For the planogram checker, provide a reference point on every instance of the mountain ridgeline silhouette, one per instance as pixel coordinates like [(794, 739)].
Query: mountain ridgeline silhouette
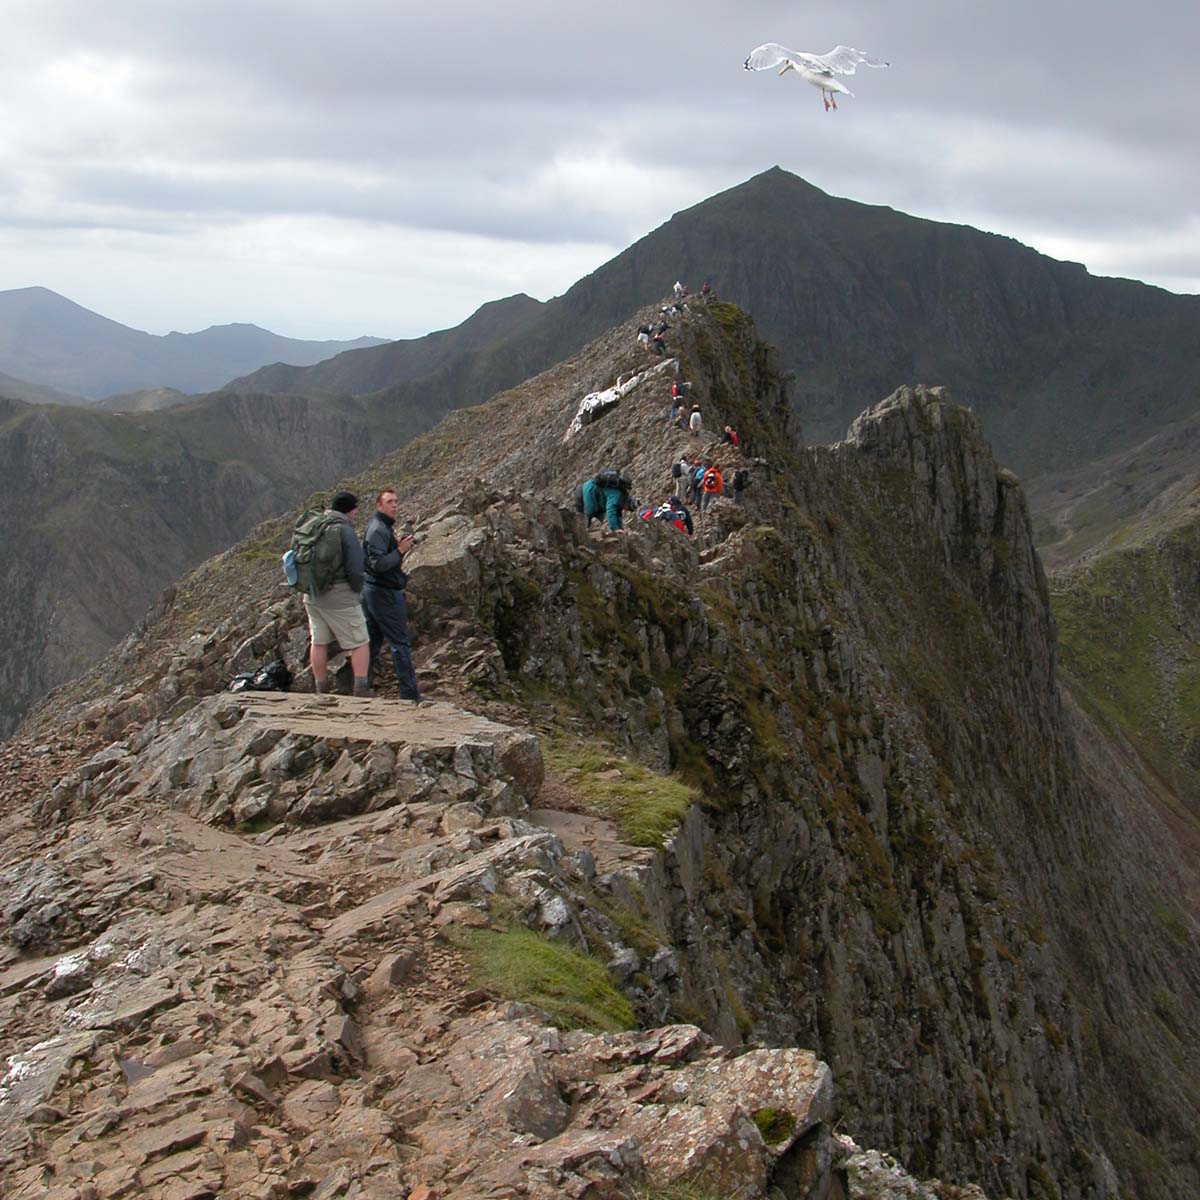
[(48, 340), (1062, 366)]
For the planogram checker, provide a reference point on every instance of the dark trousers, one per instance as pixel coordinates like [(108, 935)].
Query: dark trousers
[(387, 622)]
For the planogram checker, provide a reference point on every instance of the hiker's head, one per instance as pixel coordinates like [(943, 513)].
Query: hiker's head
[(386, 501), (344, 502)]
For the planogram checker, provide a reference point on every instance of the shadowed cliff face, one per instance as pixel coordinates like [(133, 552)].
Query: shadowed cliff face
[(904, 853)]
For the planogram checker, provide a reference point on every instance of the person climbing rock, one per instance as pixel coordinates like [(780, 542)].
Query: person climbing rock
[(605, 497), (730, 436), (696, 421), (383, 592)]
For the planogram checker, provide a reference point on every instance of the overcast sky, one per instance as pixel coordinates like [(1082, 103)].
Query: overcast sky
[(370, 167)]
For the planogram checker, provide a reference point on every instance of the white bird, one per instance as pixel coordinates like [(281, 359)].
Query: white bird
[(818, 69)]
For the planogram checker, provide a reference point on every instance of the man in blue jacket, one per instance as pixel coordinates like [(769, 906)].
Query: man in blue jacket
[(383, 591)]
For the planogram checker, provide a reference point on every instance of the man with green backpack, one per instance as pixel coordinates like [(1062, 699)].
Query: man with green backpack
[(325, 562)]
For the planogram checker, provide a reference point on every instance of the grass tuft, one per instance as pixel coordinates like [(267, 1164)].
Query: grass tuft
[(574, 989), (645, 806)]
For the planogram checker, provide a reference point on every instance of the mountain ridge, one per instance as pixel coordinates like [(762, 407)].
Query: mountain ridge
[(1062, 366)]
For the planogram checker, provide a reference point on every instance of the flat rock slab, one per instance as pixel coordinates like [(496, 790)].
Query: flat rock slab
[(372, 720)]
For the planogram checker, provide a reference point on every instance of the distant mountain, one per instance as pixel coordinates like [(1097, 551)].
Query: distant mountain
[(34, 393), (49, 340), (1061, 365), (358, 371)]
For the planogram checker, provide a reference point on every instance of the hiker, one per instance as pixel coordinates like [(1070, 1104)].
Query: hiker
[(696, 479), (335, 613), (659, 342), (383, 592), (696, 421), (680, 472), (730, 437), (741, 481), (676, 406), (674, 512), (679, 290), (605, 496), (704, 292), (711, 487), (643, 335)]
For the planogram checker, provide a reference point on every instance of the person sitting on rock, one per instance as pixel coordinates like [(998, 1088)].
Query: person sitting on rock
[(730, 436)]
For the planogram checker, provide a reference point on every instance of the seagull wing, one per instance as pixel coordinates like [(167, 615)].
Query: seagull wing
[(763, 58), (843, 60)]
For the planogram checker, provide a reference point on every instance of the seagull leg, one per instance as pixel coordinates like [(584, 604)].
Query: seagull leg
[(833, 101), (825, 97)]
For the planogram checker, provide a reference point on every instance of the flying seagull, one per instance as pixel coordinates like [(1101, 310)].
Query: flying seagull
[(818, 69)]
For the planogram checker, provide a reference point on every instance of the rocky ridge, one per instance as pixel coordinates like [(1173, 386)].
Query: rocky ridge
[(896, 856)]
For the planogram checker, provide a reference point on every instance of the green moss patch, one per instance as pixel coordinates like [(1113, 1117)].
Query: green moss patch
[(646, 807), (775, 1124), (577, 991)]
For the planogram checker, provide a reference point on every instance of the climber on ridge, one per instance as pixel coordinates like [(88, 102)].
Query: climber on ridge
[(606, 496)]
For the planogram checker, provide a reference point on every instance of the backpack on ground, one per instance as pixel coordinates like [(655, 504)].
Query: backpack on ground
[(316, 552), (274, 677)]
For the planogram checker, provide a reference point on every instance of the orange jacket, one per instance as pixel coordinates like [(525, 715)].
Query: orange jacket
[(712, 481)]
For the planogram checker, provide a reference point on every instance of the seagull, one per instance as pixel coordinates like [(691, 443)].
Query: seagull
[(817, 69)]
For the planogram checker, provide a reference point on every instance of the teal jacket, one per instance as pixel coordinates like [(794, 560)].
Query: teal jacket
[(602, 502)]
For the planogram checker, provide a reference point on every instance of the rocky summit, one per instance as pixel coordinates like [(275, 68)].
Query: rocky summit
[(769, 862)]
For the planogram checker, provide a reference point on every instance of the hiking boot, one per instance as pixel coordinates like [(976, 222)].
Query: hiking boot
[(321, 686), (363, 690)]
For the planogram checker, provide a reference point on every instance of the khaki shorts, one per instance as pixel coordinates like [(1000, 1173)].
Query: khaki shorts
[(337, 616)]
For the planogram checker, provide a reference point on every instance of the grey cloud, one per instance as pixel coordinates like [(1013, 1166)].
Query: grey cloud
[(1055, 119)]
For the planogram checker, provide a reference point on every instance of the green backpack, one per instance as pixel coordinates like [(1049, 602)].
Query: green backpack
[(316, 553)]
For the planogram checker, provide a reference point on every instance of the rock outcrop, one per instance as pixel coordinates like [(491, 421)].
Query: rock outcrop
[(900, 890)]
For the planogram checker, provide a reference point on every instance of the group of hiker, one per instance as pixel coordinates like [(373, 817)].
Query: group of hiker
[(698, 482), (354, 590)]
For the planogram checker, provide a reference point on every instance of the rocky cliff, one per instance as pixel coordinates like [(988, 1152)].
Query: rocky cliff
[(804, 782)]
